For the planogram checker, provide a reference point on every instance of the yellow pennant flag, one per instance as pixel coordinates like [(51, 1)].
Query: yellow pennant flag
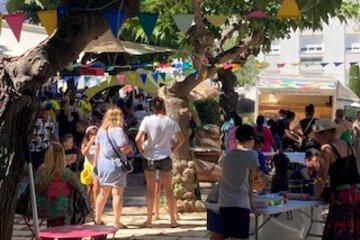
[(216, 20), (289, 10), (49, 20)]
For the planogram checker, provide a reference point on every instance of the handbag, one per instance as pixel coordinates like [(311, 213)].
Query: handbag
[(126, 166)]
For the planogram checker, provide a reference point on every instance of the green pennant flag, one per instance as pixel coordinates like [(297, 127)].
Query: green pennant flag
[(183, 21), (163, 76), (148, 21)]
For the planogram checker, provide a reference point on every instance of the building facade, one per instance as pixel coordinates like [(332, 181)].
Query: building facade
[(328, 52)]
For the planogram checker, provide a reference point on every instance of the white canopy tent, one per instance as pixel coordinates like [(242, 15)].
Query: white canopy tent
[(108, 43)]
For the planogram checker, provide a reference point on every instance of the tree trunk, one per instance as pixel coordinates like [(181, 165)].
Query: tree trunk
[(229, 98), (20, 78)]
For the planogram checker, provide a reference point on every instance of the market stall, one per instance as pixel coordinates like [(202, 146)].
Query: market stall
[(295, 92)]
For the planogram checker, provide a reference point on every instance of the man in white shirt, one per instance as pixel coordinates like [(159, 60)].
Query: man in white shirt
[(153, 140)]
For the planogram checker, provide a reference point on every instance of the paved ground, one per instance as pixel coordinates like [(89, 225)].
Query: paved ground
[(192, 226)]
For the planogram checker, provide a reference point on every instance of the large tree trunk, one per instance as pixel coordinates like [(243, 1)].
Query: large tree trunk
[(20, 78)]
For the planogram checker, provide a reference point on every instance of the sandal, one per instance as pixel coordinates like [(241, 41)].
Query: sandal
[(102, 223), (146, 225), (121, 226)]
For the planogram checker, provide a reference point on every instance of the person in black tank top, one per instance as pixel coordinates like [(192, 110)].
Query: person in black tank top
[(339, 163)]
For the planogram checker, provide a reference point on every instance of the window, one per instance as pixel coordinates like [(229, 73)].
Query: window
[(310, 60), (355, 47), (312, 48), (275, 49)]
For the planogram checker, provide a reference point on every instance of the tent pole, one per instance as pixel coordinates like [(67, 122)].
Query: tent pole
[(33, 196)]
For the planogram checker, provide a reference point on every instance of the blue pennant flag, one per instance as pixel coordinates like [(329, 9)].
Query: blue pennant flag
[(324, 64), (337, 63), (353, 63), (143, 77), (61, 12), (155, 76), (115, 20), (148, 21)]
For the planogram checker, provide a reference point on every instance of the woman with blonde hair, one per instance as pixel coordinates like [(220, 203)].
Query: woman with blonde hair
[(112, 149), (54, 185)]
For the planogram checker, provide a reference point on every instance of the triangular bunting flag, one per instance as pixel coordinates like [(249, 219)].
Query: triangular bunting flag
[(143, 77), (183, 21), (148, 21), (15, 22), (114, 20), (281, 65), (49, 20), (155, 76), (324, 64), (216, 20), (289, 10), (163, 76), (257, 14), (353, 63), (337, 63), (61, 12), (121, 79)]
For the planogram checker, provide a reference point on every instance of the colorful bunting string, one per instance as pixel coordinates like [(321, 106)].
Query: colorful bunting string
[(155, 76), (324, 64), (143, 77), (15, 22), (148, 21), (49, 20), (280, 65), (338, 63), (257, 14)]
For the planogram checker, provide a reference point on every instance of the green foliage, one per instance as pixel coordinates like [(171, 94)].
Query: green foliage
[(354, 82), (14, 5), (208, 111), (247, 73)]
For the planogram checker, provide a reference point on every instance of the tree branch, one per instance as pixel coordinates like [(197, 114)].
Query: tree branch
[(227, 34), (235, 52)]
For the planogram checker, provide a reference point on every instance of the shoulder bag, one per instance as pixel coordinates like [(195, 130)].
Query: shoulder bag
[(126, 166)]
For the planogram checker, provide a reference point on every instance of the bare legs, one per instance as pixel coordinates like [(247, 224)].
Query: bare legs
[(157, 199), (117, 202), (100, 203), (166, 183), (117, 194), (150, 196)]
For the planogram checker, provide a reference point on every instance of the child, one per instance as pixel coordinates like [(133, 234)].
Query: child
[(54, 184), (239, 167), (88, 150), (308, 172), (280, 181), (259, 140), (71, 153)]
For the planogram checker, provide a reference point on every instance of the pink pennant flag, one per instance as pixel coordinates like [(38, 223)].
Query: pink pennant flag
[(257, 14), (15, 22), (121, 79), (281, 65)]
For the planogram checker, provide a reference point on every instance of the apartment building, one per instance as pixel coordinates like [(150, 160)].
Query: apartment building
[(328, 52)]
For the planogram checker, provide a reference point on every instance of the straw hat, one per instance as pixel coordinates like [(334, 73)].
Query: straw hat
[(323, 125)]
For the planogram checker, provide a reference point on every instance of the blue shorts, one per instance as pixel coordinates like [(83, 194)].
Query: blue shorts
[(215, 222), (236, 222)]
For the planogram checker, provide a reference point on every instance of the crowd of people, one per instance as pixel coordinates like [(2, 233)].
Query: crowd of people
[(331, 167), (82, 153)]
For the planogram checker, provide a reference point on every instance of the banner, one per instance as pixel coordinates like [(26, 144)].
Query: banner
[(324, 64), (15, 22), (183, 21), (155, 76), (216, 20), (49, 20), (280, 65), (115, 20), (148, 21), (338, 63), (121, 79)]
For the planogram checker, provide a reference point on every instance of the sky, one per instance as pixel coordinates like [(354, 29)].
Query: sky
[(2, 6)]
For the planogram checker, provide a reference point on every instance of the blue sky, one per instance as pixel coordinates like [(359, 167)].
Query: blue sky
[(2, 6)]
